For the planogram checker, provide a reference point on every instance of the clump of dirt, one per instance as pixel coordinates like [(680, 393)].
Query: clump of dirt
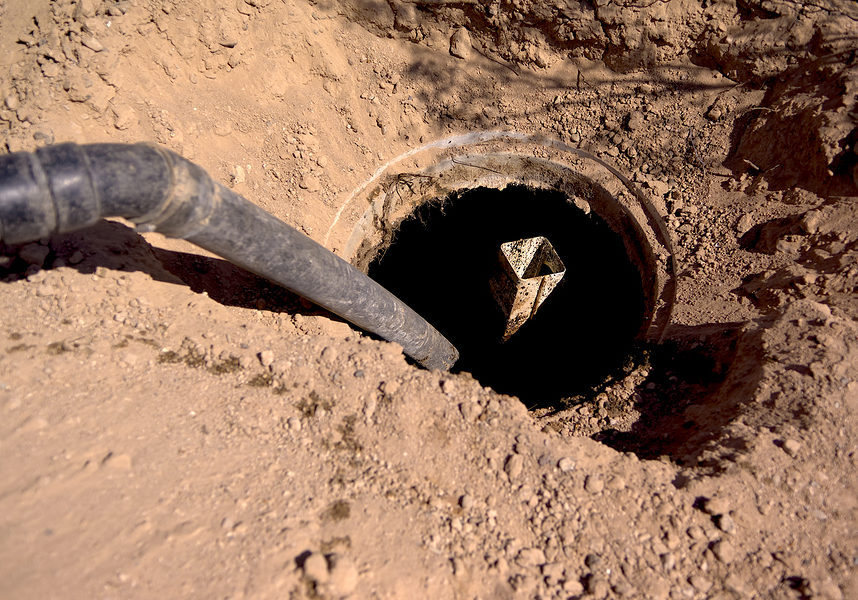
[(172, 425)]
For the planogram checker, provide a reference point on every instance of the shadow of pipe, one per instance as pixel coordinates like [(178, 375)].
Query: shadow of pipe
[(114, 246)]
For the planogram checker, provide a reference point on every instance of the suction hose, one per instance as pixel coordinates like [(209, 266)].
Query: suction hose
[(66, 187)]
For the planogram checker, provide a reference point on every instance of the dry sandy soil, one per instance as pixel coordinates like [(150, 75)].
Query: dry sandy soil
[(173, 426)]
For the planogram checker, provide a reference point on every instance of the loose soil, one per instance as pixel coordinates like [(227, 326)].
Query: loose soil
[(173, 426)]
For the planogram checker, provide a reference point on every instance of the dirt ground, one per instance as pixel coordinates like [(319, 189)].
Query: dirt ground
[(173, 426)]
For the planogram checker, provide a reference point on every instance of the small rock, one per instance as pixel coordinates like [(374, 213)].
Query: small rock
[(388, 388), (616, 483), (658, 589), (369, 407), (725, 523), (316, 568), (715, 506), (92, 43), (573, 587), (329, 354), (821, 311), (826, 589), (460, 43), (223, 128), (700, 583), (788, 246), (34, 254), (592, 561), (566, 464), (791, 447), (12, 102), (724, 551), (634, 120), (597, 586), (448, 386), (810, 222), (623, 589), (266, 357), (470, 410), (554, 570), (44, 137), (530, 557), (612, 124), (343, 575), (594, 484), (513, 466), (124, 117), (734, 583), (407, 17), (310, 183), (120, 462), (85, 9), (745, 223), (27, 114)]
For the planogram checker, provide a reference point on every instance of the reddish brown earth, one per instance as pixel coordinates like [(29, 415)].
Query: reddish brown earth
[(175, 427)]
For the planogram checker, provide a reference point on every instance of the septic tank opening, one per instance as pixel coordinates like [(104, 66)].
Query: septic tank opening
[(443, 258)]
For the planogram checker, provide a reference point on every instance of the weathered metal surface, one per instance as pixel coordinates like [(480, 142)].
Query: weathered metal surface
[(529, 270)]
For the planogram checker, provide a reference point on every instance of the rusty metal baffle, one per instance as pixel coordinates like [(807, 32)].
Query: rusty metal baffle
[(529, 271)]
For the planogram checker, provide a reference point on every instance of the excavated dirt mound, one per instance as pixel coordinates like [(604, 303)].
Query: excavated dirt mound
[(173, 426)]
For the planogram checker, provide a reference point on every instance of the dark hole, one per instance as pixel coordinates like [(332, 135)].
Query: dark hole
[(440, 263), (544, 269)]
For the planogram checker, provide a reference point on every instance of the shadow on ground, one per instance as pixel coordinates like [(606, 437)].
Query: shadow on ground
[(116, 247), (689, 399)]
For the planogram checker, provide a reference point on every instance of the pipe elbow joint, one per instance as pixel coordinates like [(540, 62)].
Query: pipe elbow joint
[(189, 202)]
